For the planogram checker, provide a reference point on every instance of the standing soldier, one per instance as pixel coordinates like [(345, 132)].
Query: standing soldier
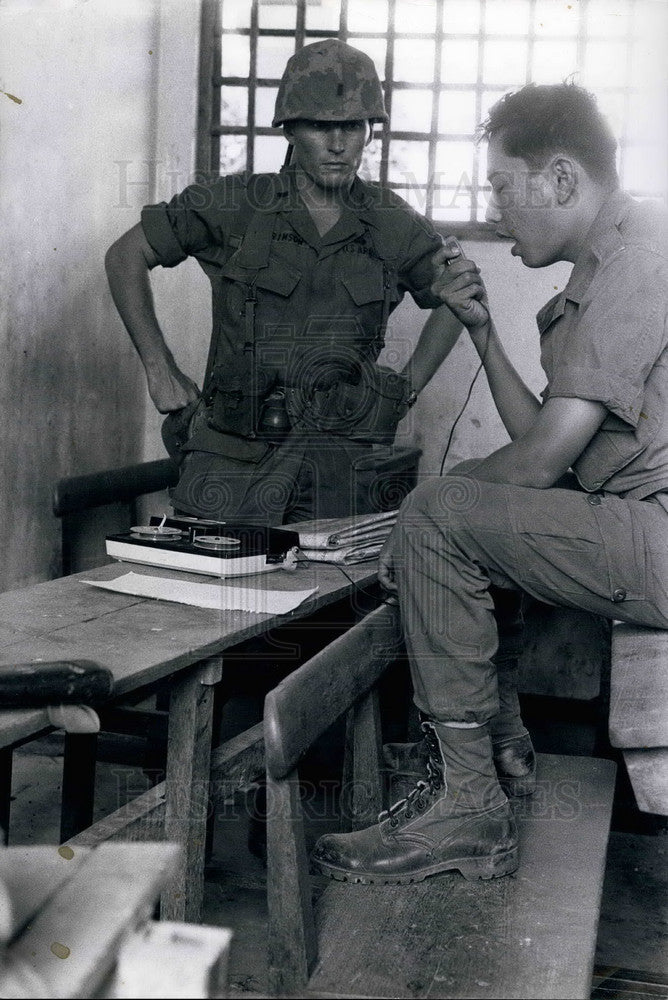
[(306, 266)]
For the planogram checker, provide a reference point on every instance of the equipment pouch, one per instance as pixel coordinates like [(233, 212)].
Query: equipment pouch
[(238, 389), (177, 428), (368, 410), (381, 399)]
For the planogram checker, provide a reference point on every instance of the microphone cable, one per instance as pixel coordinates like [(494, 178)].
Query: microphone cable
[(465, 403)]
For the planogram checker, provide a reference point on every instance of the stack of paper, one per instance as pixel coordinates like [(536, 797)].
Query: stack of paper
[(347, 540)]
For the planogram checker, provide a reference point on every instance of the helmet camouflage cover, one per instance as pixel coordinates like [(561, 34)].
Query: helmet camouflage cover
[(329, 81)]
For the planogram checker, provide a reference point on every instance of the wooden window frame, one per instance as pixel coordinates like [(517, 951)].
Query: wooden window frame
[(210, 131)]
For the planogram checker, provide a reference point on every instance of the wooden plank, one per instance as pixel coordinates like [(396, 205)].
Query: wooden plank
[(17, 724), (237, 763), (234, 764), (529, 935), (71, 944), (308, 701), (648, 773), (47, 607), (33, 874), (141, 819), (78, 791), (362, 789), (79, 493), (639, 687), (187, 788), (167, 959), (132, 721), (292, 944)]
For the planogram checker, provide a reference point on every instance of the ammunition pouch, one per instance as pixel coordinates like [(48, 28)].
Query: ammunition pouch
[(366, 410), (363, 405), (237, 391)]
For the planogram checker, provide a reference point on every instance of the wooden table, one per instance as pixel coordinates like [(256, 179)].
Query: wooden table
[(144, 642)]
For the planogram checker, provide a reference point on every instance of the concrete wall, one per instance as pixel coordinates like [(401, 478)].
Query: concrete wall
[(83, 81)]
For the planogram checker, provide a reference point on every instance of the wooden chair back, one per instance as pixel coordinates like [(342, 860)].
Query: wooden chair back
[(298, 711), (101, 503)]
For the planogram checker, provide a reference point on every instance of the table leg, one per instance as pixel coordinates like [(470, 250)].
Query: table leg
[(5, 792), (187, 785), (78, 794)]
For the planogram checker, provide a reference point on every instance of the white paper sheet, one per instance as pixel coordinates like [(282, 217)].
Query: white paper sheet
[(207, 595)]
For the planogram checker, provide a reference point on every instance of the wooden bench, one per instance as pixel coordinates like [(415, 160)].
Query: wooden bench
[(638, 720), (532, 934), (78, 927), (99, 503), (235, 765)]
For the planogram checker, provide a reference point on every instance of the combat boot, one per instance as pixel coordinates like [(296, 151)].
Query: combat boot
[(513, 752), (514, 755), (405, 765), (458, 818)]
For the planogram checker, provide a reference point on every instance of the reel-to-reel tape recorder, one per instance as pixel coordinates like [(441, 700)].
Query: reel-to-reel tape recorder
[(215, 548)]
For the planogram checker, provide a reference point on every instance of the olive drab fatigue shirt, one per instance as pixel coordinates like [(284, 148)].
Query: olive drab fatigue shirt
[(605, 338), (319, 300)]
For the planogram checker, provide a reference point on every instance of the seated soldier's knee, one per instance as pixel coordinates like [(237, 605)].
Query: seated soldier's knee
[(442, 498)]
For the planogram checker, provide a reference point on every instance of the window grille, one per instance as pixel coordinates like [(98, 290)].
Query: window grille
[(443, 64)]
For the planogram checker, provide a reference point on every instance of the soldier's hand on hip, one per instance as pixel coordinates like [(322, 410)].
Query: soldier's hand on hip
[(171, 390)]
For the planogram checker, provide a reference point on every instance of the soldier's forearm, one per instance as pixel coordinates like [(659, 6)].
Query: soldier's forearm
[(439, 335), (130, 286)]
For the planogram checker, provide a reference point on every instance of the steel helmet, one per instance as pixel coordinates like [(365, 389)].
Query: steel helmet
[(329, 81)]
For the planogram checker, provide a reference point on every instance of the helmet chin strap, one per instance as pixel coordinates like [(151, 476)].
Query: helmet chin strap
[(288, 156)]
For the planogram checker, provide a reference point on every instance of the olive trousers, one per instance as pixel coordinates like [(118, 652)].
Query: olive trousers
[(456, 537)]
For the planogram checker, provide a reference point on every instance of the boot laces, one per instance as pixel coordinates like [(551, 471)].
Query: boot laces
[(418, 797)]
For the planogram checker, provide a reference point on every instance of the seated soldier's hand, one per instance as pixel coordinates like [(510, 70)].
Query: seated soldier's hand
[(457, 282), (386, 570)]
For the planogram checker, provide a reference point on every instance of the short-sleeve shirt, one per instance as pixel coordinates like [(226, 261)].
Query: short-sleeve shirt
[(315, 295), (605, 338)]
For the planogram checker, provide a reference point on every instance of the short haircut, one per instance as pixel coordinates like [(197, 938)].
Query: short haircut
[(540, 120)]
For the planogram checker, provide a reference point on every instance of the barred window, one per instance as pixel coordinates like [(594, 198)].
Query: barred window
[(443, 64)]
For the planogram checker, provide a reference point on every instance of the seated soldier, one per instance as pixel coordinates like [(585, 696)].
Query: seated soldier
[(505, 520)]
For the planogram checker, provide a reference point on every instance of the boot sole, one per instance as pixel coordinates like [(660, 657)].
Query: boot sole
[(471, 868)]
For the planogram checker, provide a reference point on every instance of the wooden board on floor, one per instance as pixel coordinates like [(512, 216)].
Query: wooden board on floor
[(532, 934)]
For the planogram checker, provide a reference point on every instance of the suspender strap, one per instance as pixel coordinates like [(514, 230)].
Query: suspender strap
[(256, 229), (387, 236), (385, 308), (249, 345)]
